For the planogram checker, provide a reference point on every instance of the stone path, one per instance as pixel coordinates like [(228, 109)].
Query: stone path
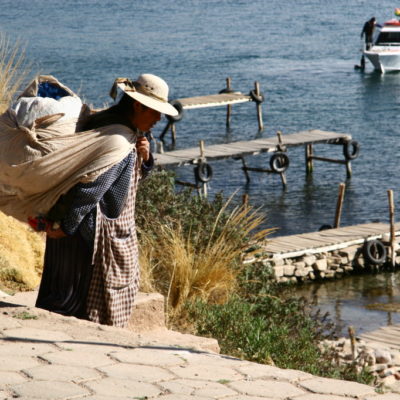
[(47, 356)]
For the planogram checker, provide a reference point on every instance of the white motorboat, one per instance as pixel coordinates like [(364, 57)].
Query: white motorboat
[(384, 53)]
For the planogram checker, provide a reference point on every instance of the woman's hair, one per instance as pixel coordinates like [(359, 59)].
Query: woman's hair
[(117, 114)]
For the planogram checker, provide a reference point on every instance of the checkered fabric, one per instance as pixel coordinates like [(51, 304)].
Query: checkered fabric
[(115, 279)]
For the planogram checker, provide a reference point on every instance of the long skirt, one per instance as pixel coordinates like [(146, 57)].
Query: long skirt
[(66, 276)]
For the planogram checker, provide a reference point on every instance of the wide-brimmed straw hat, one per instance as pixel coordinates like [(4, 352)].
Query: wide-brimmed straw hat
[(148, 89)]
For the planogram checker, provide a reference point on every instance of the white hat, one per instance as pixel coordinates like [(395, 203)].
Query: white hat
[(148, 89)]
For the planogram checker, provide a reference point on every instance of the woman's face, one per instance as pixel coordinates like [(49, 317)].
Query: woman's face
[(144, 118)]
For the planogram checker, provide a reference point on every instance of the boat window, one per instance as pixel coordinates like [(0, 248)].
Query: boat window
[(388, 38)]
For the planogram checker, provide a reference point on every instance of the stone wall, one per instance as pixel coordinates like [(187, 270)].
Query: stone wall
[(325, 265)]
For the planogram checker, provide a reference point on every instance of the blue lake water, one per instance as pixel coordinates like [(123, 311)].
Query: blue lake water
[(301, 52)]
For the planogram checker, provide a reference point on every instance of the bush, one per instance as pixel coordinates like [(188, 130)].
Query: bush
[(259, 325), (190, 247)]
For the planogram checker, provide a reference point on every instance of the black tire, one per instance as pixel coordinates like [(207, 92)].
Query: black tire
[(325, 227), (258, 98), (374, 252), (203, 172), (279, 162), (351, 149), (178, 105), (226, 91)]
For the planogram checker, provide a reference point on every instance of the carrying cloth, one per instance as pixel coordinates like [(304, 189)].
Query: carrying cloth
[(41, 162)]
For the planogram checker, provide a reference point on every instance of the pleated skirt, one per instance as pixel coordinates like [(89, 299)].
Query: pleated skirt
[(66, 276)]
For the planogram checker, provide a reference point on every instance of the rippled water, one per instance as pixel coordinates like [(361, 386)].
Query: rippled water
[(303, 54)]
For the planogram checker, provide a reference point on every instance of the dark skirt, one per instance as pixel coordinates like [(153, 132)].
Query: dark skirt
[(66, 276)]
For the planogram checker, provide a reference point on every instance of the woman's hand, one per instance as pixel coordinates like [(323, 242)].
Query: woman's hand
[(143, 147)]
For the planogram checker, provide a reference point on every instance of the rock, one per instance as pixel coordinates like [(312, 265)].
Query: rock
[(277, 262), (309, 260), (300, 272), (334, 266), (396, 358), (383, 356), (320, 265), (288, 270), (379, 367), (278, 272)]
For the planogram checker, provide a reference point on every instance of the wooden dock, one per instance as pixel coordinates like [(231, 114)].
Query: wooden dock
[(326, 240), (226, 97), (386, 336), (214, 100), (250, 147), (279, 160)]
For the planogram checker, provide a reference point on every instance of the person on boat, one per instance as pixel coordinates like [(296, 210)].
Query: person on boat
[(368, 32), (91, 266)]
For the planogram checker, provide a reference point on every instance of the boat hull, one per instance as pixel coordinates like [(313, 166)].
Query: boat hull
[(384, 60)]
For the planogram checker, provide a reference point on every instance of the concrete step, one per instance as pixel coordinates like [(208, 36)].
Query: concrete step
[(148, 313), (147, 321)]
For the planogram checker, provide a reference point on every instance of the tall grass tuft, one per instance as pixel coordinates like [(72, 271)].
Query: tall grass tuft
[(21, 250), (183, 266), (13, 70)]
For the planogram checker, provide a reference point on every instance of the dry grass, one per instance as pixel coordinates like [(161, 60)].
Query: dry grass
[(21, 255), (175, 266), (13, 70), (21, 250)]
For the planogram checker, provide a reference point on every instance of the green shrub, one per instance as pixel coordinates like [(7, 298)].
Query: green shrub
[(158, 200), (260, 325)]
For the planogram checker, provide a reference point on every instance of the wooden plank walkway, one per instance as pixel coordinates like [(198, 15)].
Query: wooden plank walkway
[(251, 147), (326, 240), (214, 100), (387, 336)]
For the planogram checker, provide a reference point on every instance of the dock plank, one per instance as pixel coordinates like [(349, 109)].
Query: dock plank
[(243, 148), (312, 242)]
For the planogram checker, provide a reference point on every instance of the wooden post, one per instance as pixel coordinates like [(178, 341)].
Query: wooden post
[(245, 200), (159, 147), (279, 134), (202, 156), (339, 204), (229, 106), (352, 336), (392, 228), (173, 133), (244, 168), (201, 145), (259, 108), (309, 160)]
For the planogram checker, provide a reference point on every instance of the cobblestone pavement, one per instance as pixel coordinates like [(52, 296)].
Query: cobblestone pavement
[(47, 356)]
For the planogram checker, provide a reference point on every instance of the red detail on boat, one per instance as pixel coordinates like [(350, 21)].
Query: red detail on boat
[(392, 22)]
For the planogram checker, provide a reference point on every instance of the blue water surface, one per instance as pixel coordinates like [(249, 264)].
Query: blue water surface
[(301, 52)]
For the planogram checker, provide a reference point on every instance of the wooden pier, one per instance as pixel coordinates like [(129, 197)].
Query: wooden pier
[(278, 145), (226, 97), (387, 336), (326, 240)]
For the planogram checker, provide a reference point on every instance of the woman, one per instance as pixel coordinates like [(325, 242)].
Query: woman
[(91, 266)]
